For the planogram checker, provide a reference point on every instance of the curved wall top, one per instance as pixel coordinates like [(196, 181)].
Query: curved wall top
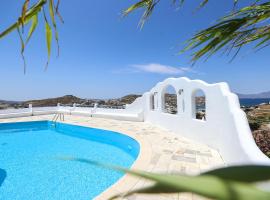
[(225, 128)]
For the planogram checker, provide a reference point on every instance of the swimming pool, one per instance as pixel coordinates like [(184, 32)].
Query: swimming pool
[(29, 170)]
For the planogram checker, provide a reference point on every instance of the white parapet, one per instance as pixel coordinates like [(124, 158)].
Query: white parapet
[(226, 127)]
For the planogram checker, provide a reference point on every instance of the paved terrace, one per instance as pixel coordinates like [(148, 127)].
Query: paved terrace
[(161, 151)]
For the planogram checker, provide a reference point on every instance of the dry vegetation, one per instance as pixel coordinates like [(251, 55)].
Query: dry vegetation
[(259, 121)]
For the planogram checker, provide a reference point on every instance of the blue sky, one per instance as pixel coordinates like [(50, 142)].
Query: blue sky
[(104, 55)]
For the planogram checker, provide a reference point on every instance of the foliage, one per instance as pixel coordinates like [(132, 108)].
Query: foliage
[(247, 25), (254, 124), (235, 182), (149, 6), (30, 15), (257, 117), (232, 32), (262, 139)]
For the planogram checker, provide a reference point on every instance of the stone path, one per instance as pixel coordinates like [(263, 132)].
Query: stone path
[(161, 151)]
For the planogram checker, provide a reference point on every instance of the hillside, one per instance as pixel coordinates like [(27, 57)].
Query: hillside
[(70, 99), (67, 100), (262, 95), (9, 104)]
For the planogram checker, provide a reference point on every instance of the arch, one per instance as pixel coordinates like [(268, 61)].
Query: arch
[(199, 105), (169, 100)]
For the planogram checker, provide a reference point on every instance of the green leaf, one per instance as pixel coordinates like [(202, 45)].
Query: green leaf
[(239, 28), (24, 10), (51, 8), (228, 33), (202, 4), (247, 173), (29, 14), (140, 4), (57, 11), (209, 186), (147, 4), (22, 49), (21, 40), (33, 27), (49, 41)]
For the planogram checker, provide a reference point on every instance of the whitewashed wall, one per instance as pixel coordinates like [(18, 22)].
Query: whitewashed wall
[(225, 129)]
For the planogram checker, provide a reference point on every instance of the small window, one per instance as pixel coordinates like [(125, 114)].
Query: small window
[(170, 100), (199, 105)]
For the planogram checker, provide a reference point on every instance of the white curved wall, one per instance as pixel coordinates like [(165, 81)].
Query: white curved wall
[(226, 128)]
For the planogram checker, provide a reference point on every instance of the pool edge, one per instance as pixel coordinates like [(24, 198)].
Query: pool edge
[(126, 182)]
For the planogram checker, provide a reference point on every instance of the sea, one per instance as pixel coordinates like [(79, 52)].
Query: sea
[(253, 102)]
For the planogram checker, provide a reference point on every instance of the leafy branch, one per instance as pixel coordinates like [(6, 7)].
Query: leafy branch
[(244, 26), (149, 6), (247, 25), (31, 15), (234, 182)]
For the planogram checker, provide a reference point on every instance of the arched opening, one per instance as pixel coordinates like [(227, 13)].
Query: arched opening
[(153, 101), (170, 100), (199, 105)]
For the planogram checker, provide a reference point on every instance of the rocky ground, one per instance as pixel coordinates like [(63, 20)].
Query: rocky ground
[(259, 121)]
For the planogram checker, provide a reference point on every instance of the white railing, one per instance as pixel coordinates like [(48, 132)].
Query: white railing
[(123, 114), (13, 110), (51, 108)]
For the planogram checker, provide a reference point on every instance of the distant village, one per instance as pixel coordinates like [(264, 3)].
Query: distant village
[(70, 100)]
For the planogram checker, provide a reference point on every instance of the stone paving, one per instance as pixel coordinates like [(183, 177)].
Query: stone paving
[(161, 151)]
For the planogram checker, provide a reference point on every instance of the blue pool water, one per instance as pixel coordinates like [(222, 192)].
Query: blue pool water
[(29, 169)]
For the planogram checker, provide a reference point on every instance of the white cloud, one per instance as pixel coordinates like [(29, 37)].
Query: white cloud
[(160, 69)]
